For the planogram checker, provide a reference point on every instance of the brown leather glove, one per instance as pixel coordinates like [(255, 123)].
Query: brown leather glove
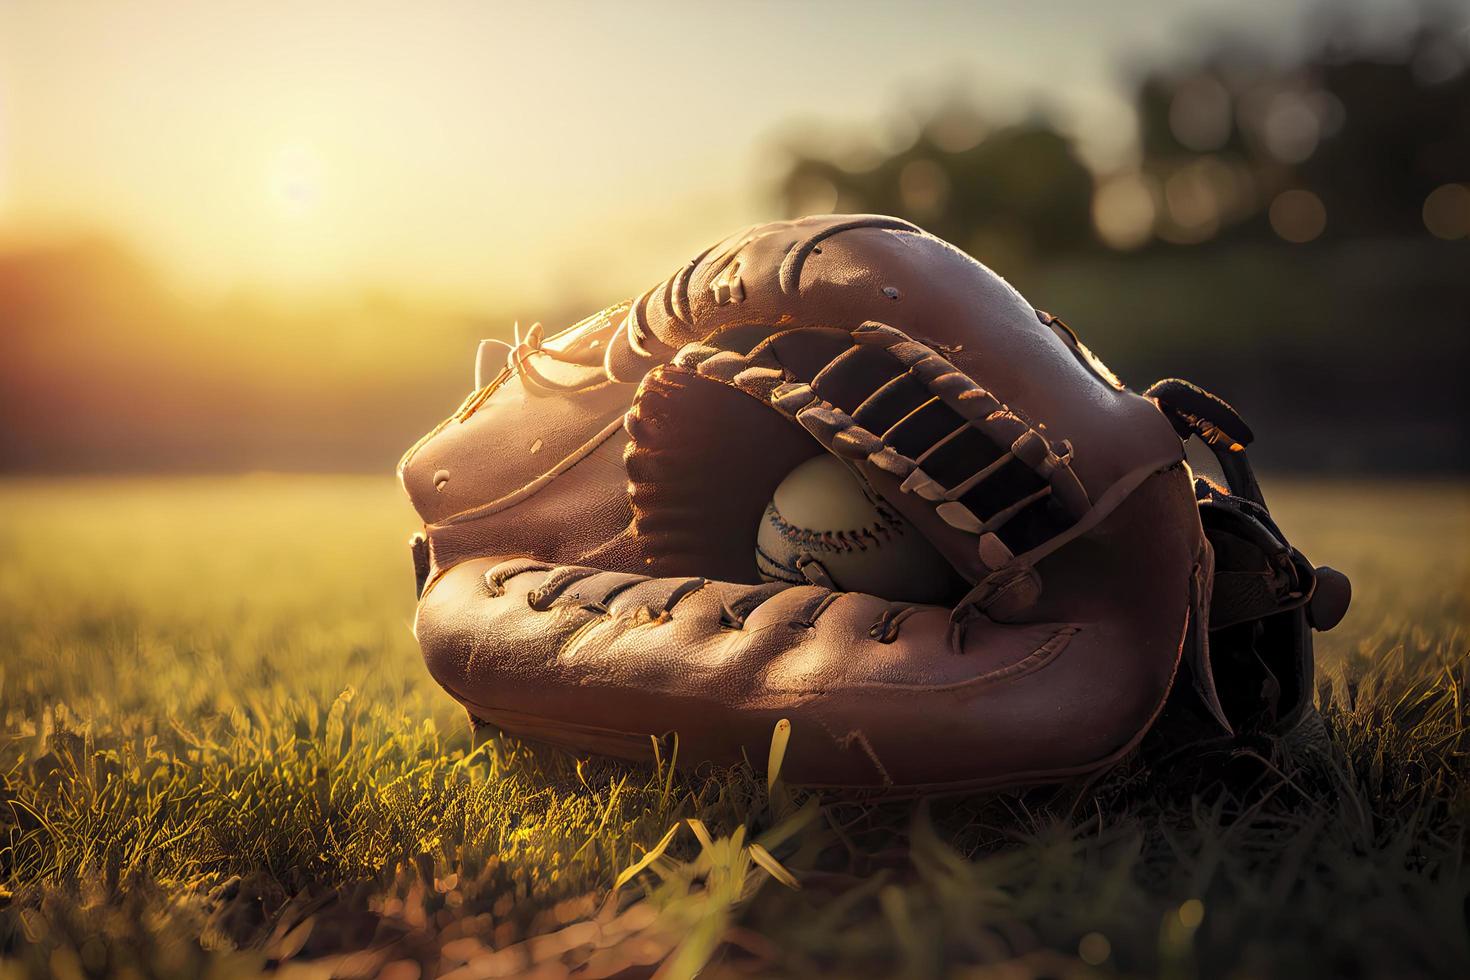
[(587, 572)]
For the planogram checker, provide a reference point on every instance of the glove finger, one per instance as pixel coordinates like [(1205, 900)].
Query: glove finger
[(601, 661)]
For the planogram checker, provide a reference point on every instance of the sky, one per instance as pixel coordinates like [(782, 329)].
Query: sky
[(459, 150)]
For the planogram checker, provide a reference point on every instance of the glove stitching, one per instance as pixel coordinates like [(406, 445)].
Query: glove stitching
[(496, 578), (810, 621), (885, 630)]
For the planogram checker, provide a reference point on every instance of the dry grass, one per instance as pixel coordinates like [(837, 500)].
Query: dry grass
[(221, 754)]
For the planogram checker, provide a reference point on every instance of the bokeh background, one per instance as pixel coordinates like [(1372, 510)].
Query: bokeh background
[(266, 236)]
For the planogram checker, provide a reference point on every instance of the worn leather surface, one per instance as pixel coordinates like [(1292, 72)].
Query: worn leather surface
[(591, 514)]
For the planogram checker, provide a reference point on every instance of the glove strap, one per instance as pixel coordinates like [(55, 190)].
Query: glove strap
[(1266, 597)]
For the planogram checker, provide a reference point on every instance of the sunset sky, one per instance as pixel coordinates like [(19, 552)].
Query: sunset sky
[(457, 150)]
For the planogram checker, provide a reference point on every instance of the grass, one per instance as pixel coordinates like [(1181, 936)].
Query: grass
[(221, 755)]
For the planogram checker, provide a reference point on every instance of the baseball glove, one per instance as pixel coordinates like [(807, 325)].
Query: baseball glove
[(587, 574)]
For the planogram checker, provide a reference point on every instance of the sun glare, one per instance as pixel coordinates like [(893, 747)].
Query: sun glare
[(295, 178)]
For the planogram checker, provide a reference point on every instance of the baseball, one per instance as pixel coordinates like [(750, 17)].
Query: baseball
[(824, 526)]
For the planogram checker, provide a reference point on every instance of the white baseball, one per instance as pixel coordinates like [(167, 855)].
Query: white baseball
[(823, 525)]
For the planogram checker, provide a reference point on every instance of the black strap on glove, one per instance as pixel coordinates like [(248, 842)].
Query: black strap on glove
[(1266, 598)]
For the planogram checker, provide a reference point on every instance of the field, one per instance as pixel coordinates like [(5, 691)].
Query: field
[(221, 754)]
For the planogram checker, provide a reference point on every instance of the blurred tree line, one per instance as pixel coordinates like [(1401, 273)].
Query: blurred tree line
[(1293, 233), (1233, 146)]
